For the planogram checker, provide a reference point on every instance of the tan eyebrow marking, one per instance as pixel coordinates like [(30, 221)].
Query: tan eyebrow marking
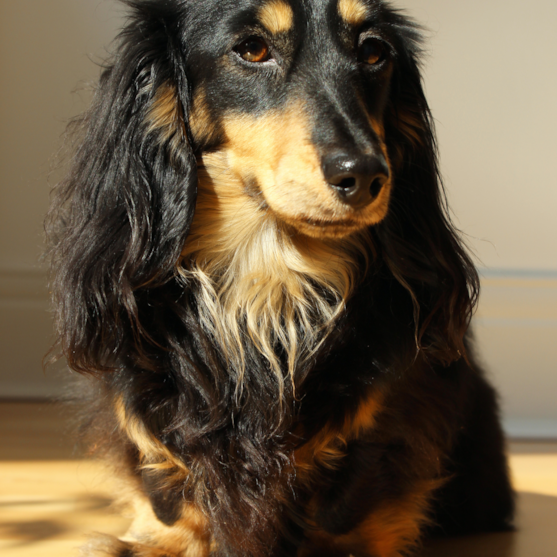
[(277, 16), (352, 11)]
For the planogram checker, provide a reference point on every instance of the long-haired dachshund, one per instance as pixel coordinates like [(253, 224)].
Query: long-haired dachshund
[(252, 259)]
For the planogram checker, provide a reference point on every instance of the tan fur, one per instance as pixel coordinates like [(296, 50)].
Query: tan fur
[(276, 16), (109, 546), (148, 537), (365, 416), (188, 537), (354, 12), (154, 454), (201, 124), (379, 130), (326, 450), (328, 447), (277, 151), (396, 526), (165, 116), (252, 267), (390, 531)]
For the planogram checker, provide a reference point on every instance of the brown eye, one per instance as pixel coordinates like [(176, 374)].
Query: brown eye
[(371, 52), (253, 49)]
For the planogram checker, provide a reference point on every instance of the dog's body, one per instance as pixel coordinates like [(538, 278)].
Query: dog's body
[(251, 255)]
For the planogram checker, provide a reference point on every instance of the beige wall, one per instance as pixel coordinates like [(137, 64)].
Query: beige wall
[(46, 53), (491, 81)]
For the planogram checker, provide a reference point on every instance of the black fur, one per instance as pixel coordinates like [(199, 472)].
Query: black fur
[(118, 224)]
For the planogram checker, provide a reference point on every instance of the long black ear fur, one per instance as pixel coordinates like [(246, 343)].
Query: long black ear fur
[(120, 219), (417, 240)]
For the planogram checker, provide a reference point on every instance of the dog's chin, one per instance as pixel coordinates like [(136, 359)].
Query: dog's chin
[(323, 229), (333, 227)]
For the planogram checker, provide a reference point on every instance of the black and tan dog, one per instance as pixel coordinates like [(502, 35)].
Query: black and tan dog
[(252, 258)]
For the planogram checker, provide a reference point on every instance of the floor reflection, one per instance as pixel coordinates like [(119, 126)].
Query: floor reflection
[(536, 534)]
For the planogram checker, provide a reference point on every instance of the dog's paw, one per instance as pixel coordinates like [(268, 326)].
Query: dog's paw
[(109, 546)]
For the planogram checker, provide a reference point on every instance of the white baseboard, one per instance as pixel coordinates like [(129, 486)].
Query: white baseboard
[(25, 335), (517, 428), (516, 334)]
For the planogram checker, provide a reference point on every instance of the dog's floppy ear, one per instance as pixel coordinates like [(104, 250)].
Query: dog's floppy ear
[(118, 223), (418, 241)]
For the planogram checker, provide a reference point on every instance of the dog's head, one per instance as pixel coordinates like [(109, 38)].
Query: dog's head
[(293, 96), (310, 113)]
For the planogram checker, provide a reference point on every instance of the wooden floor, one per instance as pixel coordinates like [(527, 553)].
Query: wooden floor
[(50, 499)]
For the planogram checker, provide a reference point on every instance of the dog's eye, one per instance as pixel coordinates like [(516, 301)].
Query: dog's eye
[(254, 49), (371, 51)]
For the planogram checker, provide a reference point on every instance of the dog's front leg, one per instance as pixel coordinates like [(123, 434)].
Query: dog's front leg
[(391, 530), (163, 525)]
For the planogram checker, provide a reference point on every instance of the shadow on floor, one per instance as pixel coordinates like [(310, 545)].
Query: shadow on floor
[(536, 535), (48, 519)]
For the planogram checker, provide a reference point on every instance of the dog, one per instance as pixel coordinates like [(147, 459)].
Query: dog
[(254, 268)]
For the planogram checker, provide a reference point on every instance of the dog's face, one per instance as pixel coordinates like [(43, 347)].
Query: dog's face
[(292, 95)]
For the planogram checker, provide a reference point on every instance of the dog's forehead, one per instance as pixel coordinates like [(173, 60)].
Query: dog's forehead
[(279, 16), (311, 42)]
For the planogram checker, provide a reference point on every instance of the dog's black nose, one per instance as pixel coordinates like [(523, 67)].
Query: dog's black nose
[(356, 179)]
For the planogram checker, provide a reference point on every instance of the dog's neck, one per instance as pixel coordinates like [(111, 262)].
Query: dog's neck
[(260, 281)]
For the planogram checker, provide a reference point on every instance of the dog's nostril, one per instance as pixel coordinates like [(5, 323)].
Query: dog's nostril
[(346, 184), (376, 186)]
